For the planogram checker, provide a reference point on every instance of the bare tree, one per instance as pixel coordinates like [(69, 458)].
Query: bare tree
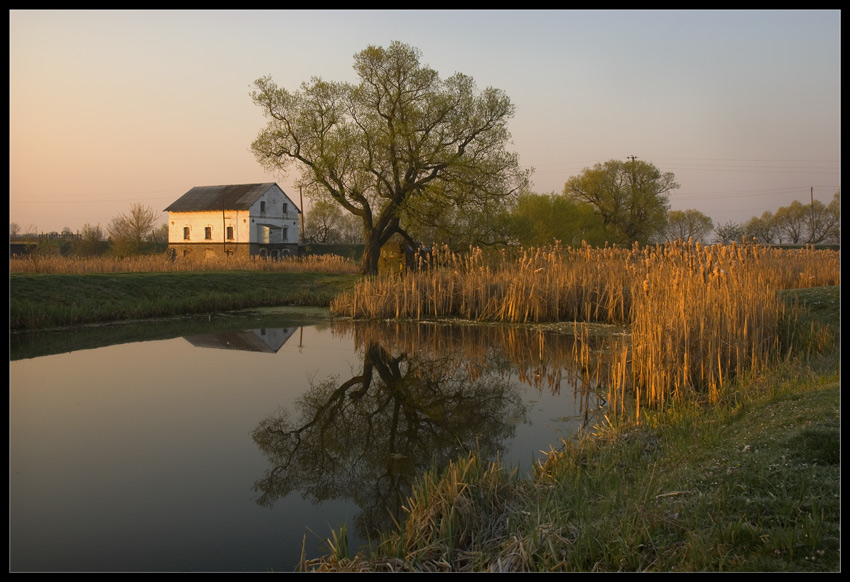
[(728, 232), (825, 222), (688, 224), (128, 231)]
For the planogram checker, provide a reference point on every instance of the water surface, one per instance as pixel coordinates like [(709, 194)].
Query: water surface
[(226, 444)]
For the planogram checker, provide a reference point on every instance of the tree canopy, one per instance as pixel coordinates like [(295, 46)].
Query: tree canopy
[(629, 196), (542, 219), (399, 148), (689, 224), (796, 224)]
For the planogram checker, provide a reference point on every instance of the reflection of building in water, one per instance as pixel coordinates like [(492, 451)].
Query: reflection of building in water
[(268, 340)]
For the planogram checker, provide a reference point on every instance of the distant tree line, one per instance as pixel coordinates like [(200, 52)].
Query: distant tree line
[(615, 202), (795, 224), (601, 206), (615, 213), (128, 233)]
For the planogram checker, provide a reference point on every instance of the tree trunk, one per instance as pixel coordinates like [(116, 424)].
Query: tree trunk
[(371, 254)]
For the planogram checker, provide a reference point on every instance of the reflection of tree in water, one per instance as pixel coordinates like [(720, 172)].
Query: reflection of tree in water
[(369, 437), (438, 391)]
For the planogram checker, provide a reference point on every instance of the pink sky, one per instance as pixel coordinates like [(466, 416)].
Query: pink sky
[(111, 108)]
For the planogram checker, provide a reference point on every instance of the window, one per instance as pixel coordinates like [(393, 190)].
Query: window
[(229, 233), (186, 231), (285, 209), (208, 232), (283, 233), (262, 205)]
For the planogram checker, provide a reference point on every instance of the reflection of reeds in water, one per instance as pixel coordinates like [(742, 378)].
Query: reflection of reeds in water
[(699, 315), (546, 361)]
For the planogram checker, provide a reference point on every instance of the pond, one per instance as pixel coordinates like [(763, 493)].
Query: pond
[(234, 443)]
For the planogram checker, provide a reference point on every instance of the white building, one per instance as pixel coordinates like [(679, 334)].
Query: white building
[(239, 219)]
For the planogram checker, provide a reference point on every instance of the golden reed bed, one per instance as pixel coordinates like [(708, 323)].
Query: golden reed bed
[(699, 315)]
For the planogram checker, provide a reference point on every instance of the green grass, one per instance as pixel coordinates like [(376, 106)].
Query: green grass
[(751, 485), (47, 300)]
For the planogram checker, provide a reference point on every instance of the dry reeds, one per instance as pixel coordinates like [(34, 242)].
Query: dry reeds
[(163, 263), (699, 315), (554, 284)]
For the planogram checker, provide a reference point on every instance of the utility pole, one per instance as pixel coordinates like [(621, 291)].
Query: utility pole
[(301, 195), (812, 198)]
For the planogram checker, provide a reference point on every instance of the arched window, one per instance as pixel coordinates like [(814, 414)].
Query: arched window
[(186, 231)]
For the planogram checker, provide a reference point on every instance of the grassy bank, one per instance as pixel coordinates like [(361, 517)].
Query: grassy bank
[(743, 477), (748, 484), (44, 300)]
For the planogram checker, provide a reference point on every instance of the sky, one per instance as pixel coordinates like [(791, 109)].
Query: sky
[(113, 108)]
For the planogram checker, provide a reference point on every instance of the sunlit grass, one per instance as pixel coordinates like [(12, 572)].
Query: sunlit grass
[(724, 489)]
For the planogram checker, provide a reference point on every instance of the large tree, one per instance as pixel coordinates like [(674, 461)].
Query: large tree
[(400, 141), (542, 219), (629, 196)]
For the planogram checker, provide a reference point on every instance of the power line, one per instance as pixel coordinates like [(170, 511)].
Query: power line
[(79, 200)]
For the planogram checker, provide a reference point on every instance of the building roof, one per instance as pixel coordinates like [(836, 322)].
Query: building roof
[(227, 197)]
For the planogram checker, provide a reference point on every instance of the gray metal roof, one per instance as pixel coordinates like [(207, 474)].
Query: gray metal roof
[(228, 197)]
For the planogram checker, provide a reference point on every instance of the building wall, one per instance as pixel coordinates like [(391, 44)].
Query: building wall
[(217, 222), (274, 219), (269, 226)]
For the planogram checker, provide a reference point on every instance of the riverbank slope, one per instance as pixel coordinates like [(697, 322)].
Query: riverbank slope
[(40, 301), (751, 484)]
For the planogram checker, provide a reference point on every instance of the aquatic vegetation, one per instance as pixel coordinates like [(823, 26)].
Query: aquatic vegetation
[(699, 316)]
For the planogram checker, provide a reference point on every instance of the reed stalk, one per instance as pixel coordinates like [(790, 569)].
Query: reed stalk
[(56, 264), (699, 316)]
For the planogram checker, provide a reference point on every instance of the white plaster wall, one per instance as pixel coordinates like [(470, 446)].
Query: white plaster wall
[(248, 225), (274, 217), (197, 221)]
